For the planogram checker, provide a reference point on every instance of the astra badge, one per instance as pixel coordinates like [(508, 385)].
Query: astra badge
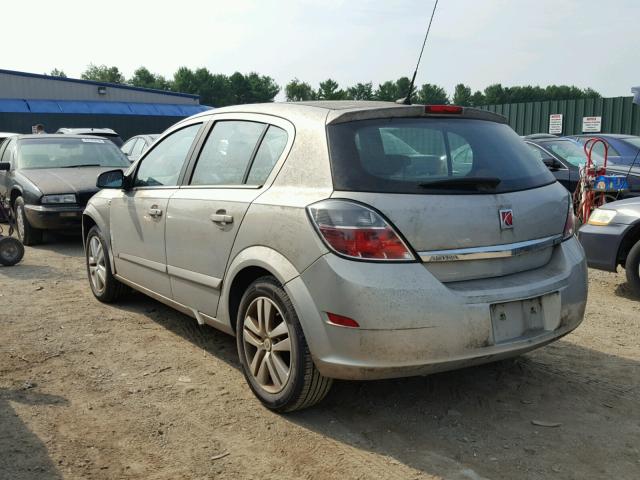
[(506, 219)]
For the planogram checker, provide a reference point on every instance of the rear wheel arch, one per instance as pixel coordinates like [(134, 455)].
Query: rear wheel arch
[(246, 267)]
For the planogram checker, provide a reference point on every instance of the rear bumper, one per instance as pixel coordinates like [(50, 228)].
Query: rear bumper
[(54, 217), (601, 244), (412, 324)]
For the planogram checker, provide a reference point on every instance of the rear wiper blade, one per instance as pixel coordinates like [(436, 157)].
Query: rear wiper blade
[(486, 182), (83, 165)]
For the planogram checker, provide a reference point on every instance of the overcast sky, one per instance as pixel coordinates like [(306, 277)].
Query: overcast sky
[(588, 43)]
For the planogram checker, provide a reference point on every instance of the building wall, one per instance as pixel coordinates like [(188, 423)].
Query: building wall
[(126, 125), (38, 87), (619, 115)]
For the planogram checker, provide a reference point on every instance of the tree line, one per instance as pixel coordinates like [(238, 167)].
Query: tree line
[(219, 90)]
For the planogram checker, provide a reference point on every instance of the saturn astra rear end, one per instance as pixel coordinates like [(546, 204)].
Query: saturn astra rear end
[(379, 241)]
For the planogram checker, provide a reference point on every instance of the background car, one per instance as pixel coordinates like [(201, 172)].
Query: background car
[(337, 247), (611, 238), (136, 146), (99, 132), (5, 135), (563, 157), (623, 149), (48, 179)]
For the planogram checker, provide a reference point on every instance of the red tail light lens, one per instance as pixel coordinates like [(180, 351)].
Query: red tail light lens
[(570, 223), (358, 232), (342, 321), (442, 109)]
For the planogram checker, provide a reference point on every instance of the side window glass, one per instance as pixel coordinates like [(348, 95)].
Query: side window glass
[(163, 164), (268, 154), (9, 153), (537, 152), (226, 153), (127, 147), (138, 147)]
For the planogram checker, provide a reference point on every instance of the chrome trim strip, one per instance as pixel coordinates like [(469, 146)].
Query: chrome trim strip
[(494, 251), (158, 267), (194, 277)]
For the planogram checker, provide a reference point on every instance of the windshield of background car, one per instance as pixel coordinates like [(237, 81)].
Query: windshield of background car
[(402, 155), (635, 141), (572, 152), (69, 152)]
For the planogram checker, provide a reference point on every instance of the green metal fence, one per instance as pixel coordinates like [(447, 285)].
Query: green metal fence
[(619, 115)]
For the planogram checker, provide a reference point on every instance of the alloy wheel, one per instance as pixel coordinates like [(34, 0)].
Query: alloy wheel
[(20, 221), (267, 345), (97, 265)]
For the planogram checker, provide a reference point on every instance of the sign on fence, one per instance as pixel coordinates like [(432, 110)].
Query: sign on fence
[(555, 123), (591, 124)]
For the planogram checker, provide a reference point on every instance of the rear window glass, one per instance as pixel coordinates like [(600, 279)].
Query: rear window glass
[(400, 155)]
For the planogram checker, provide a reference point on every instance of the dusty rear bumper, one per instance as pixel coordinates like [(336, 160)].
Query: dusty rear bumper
[(437, 326)]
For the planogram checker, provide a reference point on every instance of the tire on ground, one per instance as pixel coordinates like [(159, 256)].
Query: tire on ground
[(30, 235), (111, 288), (305, 385), (632, 268)]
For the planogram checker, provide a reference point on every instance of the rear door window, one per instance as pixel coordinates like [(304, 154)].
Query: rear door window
[(403, 155), (227, 153)]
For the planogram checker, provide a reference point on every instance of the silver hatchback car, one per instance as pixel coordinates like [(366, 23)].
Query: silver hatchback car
[(344, 240)]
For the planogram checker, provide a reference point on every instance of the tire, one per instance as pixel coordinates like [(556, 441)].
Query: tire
[(262, 348), (27, 234), (11, 251), (104, 285), (632, 268)]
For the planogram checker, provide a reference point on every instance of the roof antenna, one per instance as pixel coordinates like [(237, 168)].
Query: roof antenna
[(407, 100)]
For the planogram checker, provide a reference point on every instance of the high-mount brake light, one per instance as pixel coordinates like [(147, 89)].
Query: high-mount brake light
[(442, 109), (356, 231)]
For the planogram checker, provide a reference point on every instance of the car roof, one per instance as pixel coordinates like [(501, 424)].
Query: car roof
[(80, 130), (339, 111), (43, 136), (605, 135)]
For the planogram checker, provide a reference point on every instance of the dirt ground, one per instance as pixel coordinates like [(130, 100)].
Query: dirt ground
[(138, 390)]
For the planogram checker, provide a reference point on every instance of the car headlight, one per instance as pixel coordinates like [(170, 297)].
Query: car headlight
[(66, 198), (601, 217)]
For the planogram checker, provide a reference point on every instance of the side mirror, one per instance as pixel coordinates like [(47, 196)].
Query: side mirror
[(5, 166), (111, 179), (552, 163)]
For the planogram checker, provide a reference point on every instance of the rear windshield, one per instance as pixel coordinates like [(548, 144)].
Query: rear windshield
[(63, 152), (405, 155)]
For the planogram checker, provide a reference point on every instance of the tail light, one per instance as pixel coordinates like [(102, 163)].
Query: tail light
[(356, 231), (570, 223)]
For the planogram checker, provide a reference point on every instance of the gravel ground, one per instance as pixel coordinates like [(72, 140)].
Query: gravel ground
[(138, 390)]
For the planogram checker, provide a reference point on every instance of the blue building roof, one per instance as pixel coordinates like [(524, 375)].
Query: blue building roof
[(12, 105), (102, 84)]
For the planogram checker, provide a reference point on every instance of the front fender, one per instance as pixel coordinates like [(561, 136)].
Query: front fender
[(101, 219)]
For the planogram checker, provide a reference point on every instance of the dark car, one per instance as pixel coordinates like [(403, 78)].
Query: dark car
[(48, 179), (98, 132), (136, 146), (611, 238), (563, 157), (623, 149)]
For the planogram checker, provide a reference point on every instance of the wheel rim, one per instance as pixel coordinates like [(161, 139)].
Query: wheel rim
[(20, 221), (267, 345), (97, 265)]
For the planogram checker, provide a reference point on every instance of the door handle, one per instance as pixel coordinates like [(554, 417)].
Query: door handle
[(221, 218), (154, 212)]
